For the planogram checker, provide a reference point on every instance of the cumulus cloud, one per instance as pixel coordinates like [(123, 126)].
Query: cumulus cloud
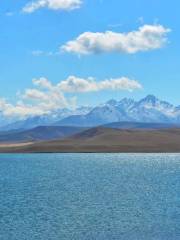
[(46, 97), (22, 110), (146, 38), (75, 84), (42, 82), (35, 95), (65, 5), (42, 99)]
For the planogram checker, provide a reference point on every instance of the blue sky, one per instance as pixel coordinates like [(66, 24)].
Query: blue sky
[(30, 48)]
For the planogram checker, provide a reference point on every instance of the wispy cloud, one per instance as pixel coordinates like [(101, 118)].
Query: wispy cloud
[(9, 14), (39, 53), (65, 5), (146, 38), (115, 25), (140, 20)]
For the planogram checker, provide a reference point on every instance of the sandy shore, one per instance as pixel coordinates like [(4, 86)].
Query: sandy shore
[(10, 145)]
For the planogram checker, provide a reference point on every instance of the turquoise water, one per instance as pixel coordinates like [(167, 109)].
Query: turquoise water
[(90, 196)]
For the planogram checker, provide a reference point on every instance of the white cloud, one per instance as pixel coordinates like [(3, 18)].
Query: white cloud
[(75, 84), (21, 110), (146, 38), (35, 95), (52, 4), (42, 82), (46, 97), (42, 99)]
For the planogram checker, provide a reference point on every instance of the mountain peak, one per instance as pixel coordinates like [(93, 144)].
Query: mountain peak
[(127, 100), (150, 98), (112, 102)]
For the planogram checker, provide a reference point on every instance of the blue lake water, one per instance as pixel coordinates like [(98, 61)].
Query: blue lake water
[(90, 197)]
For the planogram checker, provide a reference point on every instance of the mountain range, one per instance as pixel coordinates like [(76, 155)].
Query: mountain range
[(147, 110)]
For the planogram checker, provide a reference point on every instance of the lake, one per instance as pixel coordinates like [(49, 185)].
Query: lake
[(90, 196)]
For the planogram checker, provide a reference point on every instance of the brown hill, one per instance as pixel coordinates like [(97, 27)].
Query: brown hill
[(108, 140)]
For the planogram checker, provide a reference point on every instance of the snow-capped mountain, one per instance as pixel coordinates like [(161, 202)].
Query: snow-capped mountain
[(148, 110), (151, 109), (47, 119), (97, 116), (151, 102)]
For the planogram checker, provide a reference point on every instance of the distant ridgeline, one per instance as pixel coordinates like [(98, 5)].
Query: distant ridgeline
[(148, 110)]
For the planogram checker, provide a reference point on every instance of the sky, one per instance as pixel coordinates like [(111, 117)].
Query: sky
[(85, 52)]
